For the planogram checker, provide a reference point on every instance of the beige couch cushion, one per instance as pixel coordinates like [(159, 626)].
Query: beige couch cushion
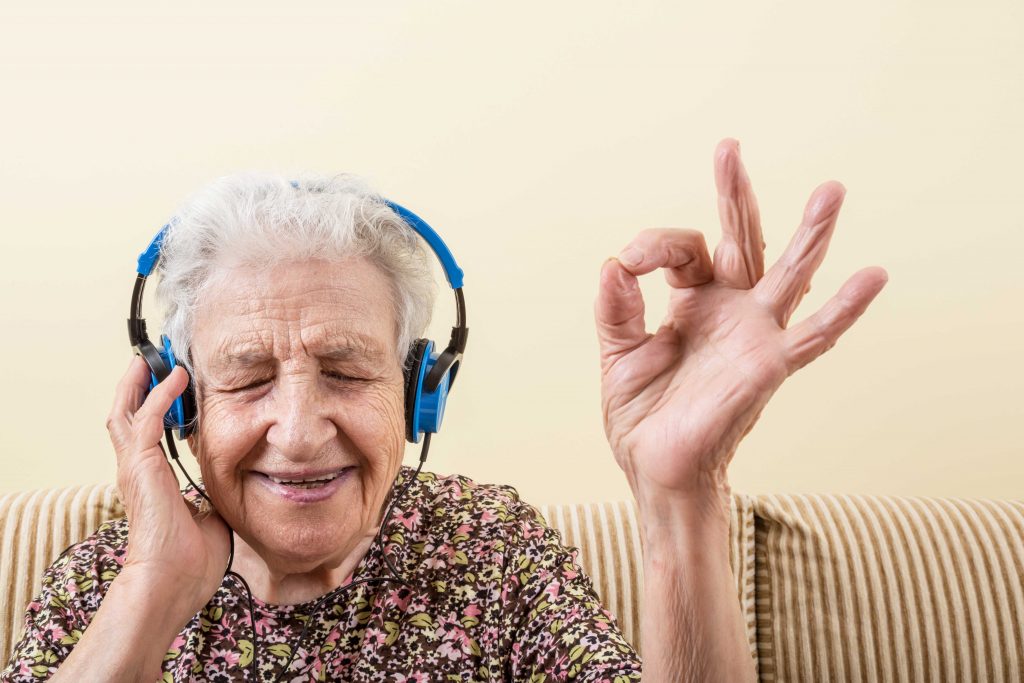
[(864, 588), (35, 527)]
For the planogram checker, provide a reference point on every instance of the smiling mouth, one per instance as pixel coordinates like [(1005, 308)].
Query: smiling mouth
[(308, 483)]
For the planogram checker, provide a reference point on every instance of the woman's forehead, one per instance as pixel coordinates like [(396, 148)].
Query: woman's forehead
[(333, 313)]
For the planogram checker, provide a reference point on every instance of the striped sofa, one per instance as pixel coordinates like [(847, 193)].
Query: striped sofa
[(833, 588)]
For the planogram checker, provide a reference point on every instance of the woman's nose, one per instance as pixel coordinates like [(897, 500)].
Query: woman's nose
[(301, 426)]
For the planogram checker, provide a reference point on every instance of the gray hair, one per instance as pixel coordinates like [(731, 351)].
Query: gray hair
[(260, 219)]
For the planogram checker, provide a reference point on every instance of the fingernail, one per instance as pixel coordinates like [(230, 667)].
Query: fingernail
[(632, 257)]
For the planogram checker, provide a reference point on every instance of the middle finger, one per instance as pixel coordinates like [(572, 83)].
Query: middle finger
[(739, 256)]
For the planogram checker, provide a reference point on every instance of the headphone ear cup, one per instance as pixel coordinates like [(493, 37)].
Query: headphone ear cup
[(180, 417), (158, 369), (414, 374)]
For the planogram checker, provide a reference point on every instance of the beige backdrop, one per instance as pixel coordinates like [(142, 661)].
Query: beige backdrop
[(538, 138)]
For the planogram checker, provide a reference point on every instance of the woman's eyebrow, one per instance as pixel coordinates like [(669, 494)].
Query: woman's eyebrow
[(361, 348), (243, 359), (348, 352)]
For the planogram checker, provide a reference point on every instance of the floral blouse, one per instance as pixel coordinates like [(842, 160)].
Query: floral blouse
[(492, 596)]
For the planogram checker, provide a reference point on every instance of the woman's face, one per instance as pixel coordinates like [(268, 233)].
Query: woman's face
[(301, 409)]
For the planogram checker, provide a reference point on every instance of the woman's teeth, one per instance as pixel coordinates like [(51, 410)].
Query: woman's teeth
[(305, 483)]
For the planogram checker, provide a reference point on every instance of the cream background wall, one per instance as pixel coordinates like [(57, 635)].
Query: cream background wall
[(539, 138)]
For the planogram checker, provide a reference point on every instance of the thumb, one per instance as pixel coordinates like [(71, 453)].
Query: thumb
[(619, 310)]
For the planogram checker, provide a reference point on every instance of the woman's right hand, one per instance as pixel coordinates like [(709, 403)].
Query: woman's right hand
[(172, 547)]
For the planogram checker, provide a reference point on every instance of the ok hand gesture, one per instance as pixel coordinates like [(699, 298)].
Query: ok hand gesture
[(678, 401)]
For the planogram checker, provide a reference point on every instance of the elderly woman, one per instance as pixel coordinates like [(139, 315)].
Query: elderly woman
[(293, 307)]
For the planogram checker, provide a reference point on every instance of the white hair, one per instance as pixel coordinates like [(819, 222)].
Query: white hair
[(260, 219)]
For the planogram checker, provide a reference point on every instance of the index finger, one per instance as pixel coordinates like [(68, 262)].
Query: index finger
[(129, 399), (131, 389), (683, 253)]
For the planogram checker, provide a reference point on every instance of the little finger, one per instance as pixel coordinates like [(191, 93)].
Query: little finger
[(817, 334)]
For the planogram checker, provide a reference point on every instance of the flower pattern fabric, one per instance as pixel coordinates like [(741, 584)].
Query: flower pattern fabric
[(492, 595)]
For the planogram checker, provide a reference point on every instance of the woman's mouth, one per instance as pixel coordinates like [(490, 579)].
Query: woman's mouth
[(305, 489)]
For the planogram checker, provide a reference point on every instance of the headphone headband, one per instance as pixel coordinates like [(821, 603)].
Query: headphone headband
[(451, 269)]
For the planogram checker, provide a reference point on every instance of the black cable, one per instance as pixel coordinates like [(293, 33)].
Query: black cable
[(254, 667)]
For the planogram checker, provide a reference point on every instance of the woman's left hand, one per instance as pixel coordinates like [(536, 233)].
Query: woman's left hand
[(677, 402)]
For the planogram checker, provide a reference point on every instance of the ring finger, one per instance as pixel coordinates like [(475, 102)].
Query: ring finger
[(786, 282)]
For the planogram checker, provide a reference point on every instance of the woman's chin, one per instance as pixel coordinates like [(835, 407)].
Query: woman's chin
[(298, 531)]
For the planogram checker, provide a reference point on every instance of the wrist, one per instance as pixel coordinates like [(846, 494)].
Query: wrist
[(172, 600), (702, 507)]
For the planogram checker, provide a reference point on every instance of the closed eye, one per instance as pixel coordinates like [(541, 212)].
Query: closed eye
[(257, 383), (333, 376), (338, 377)]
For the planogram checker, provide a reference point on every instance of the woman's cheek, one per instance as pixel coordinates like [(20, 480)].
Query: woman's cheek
[(376, 423), (223, 434), (389, 411)]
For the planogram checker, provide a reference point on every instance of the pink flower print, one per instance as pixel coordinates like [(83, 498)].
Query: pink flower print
[(472, 610), (54, 632), (400, 598), (532, 531), (434, 563), (450, 651), (415, 677), (553, 590), (451, 631), (488, 515), (374, 637), (410, 519), (223, 657), (266, 624), (491, 634)]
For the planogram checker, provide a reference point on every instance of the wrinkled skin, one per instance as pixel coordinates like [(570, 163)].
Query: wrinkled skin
[(678, 401), (299, 409)]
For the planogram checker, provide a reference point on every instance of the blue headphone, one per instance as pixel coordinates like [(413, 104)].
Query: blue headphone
[(429, 374)]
